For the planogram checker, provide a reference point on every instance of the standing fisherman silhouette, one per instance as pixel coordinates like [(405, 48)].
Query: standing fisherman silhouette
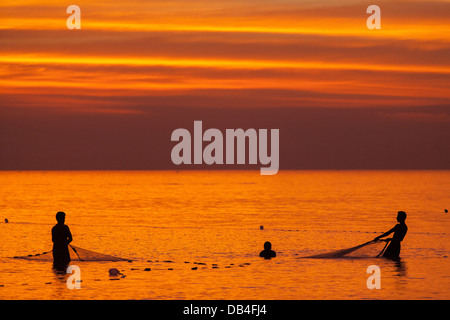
[(400, 229), (61, 238)]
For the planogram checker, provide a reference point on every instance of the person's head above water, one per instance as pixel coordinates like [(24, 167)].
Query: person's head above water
[(60, 217), (267, 253), (401, 216)]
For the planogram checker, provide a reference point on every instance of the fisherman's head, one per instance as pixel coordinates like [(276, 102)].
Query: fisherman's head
[(60, 217), (267, 245), (401, 216)]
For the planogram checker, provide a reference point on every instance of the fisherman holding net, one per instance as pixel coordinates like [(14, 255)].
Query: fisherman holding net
[(61, 253), (61, 238), (399, 230)]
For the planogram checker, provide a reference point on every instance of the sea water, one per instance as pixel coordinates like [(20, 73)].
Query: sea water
[(197, 234)]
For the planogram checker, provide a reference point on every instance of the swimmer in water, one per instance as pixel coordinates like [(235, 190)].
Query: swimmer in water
[(267, 253)]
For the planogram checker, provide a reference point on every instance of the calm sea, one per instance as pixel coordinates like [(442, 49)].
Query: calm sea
[(172, 222)]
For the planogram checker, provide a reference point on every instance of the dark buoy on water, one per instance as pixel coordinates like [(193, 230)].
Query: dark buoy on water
[(446, 211), (114, 272), (6, 220), (261, 227)]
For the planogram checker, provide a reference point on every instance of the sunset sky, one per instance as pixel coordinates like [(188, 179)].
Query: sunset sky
[(109, 95)]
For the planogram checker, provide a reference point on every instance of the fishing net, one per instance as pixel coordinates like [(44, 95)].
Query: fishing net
[(76, 254), (371, 249)]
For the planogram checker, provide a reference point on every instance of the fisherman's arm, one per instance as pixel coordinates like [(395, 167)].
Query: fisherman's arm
[(386, 233), (69, 236)]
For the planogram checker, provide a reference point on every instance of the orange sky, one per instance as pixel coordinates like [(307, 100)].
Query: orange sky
[(132, 56), (145, 47)]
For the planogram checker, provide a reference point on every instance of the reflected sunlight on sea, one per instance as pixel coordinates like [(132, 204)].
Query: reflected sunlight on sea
[(199, 233)]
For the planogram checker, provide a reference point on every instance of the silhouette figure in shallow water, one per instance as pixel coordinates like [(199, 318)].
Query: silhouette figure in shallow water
[(267, 253), (61, 238), (400, 229)]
